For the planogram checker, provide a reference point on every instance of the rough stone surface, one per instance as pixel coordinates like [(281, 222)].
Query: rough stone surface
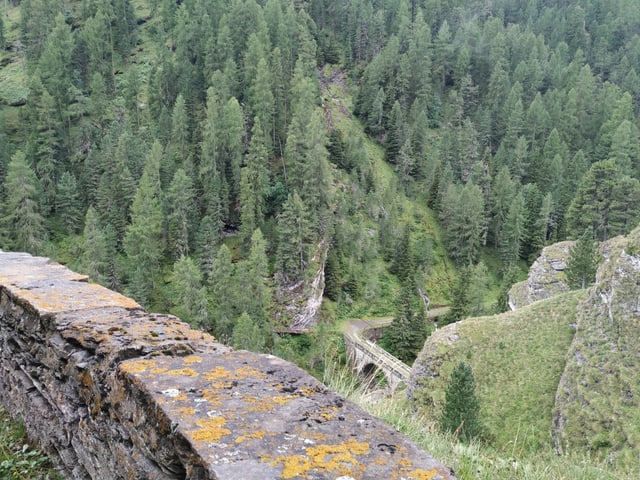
[(598, 397), (112, 392), (546, 278)]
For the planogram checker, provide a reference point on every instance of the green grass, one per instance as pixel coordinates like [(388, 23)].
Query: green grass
[(469, 462), (18, 460), (517, 360)]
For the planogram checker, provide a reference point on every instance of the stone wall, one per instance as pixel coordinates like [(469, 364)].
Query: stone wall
[(111, 392)]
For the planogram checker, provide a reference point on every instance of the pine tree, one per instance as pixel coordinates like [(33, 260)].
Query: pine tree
[(295, 239), (513, 232), (461, 410), (189, 296), (94, 261), (22, 224), (180, 212), (143, 237), (254, 183), (224, 293), (582, 262), (248, 335), (405, 336), (68, 203), (253, 278)]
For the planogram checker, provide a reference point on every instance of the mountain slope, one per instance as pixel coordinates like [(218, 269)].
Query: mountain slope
[(599, 393)]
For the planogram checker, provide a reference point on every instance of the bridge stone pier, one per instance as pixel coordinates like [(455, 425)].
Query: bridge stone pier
[(112, 392), (367, 358)]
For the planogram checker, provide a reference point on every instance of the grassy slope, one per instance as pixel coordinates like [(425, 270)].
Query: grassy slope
[(517, 359), (414, 213)]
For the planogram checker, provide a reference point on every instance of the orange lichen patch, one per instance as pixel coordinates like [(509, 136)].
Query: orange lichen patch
[(257, 435), (327, 416), (217, 373), (317, 436), (340, 459), (183, 372), (211, 430), (421, 474), (308, 391), (258, 404), (284, 399), (136, 366), (211, 396), (187, 411), (249, 372), (192, 359)]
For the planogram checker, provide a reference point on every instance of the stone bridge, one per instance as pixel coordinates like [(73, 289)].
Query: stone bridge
[(110, 392), (367, 358)]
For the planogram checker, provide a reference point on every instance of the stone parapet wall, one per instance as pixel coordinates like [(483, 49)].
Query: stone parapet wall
[(111, 392)]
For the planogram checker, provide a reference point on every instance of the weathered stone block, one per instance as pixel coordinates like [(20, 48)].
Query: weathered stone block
[(112, 392)]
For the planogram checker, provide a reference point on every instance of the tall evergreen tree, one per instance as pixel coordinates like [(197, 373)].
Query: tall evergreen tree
[(143, 237), (582, 262), (68, 203), (94, 261), (189, 296), (23, 227), (295, 239), (461, 410)]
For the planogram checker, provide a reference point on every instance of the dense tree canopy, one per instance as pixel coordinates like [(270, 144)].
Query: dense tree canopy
[(156, 138)]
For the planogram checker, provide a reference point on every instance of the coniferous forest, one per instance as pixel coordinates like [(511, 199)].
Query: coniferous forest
[(216, 159)]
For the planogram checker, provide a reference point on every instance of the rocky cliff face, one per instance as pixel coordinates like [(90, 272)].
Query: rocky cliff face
[(110, 392), (546, 277), (598, 398)]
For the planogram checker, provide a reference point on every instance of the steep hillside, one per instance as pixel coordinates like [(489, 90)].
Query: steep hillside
[(597, 402), (517, 359)]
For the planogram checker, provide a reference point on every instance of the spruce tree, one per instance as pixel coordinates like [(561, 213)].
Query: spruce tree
[(248, 334), (461, 411), (143, 237), (22, 225), (94, 261), (582, 262), (68, 203), (189, 296)]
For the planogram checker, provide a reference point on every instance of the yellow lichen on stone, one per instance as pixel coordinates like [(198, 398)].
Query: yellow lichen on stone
[(340, 459), (308, 391), (183, 372), (211, 396), (211, 430), (192, 359), (217, 373), (187, 411), (421, 474), (159, 370), (284, 399), (249, 372), (137, 366), (248, 436)]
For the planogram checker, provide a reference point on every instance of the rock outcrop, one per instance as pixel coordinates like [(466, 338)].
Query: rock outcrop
[(110, 392), (546, 278), (598, 398)]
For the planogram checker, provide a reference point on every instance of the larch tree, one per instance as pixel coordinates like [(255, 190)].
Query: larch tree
[(23, 227), (189, 295), (295, 239), (143, 237), (94, 261), (68, 206), (180, 204)]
